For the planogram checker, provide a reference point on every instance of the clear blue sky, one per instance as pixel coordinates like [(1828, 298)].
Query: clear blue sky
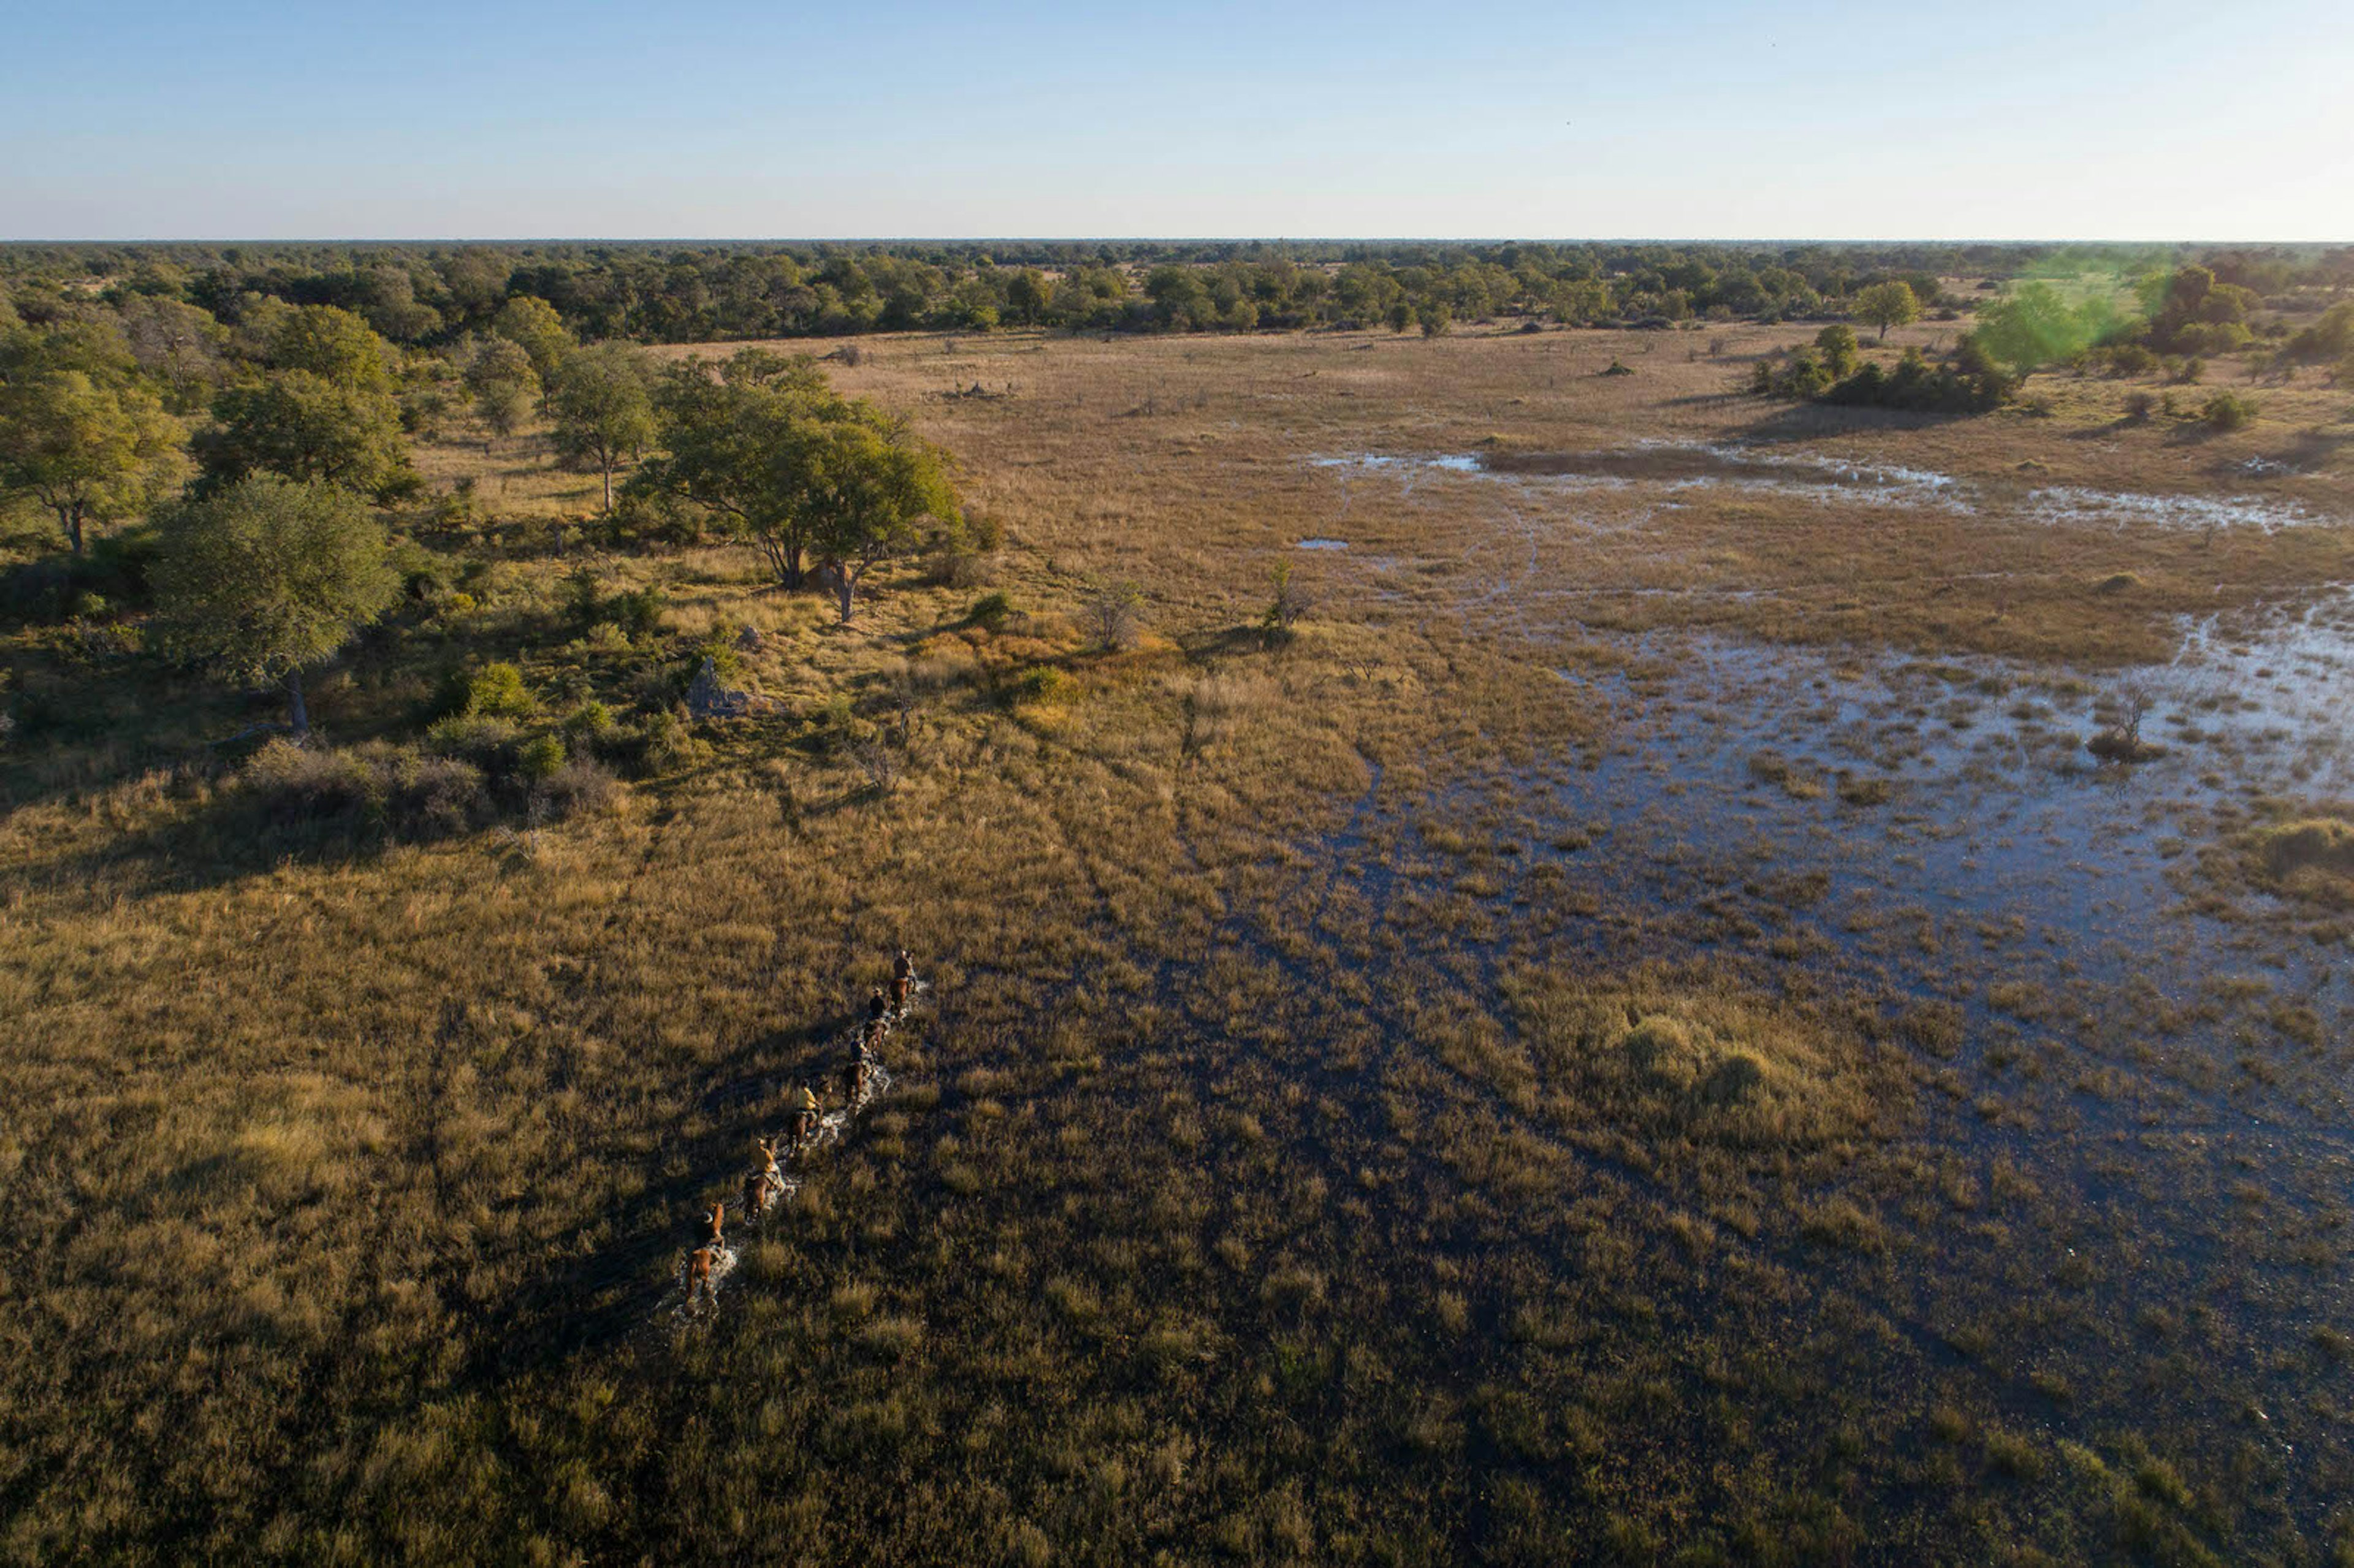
[(2223, 119)]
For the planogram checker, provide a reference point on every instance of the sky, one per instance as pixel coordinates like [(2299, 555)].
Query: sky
[(892, 119)]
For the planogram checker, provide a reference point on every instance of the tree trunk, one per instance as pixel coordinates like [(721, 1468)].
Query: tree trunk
[(70, 519), (296, 713), (608, 487)]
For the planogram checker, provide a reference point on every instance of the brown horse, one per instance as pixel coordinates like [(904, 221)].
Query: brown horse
[(699, 1261), (765, 1183)]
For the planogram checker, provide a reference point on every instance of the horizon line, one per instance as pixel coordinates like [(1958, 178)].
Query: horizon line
[(1156, 239)]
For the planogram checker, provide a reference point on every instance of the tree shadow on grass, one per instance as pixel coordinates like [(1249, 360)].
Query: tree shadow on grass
[(1814, 421)]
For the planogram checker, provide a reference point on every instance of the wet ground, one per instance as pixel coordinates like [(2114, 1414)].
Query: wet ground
[(2168, 1066)]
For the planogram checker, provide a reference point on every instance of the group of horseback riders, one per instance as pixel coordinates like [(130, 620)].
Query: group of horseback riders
[(765, 1183)]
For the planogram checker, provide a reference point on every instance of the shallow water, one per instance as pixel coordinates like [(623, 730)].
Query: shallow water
[(1671, 473), (2165, 1067)]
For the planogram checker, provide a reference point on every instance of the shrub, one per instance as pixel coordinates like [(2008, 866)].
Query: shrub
[(431, 795), (665, 743), (540, 758), (576, 788), (834, 723), (486, 742), (1041, 683), (1116, 614), (405, 790), (990, 610), (637, 611), (496, 691), (588, 726), (299, 783), (2228, 411), (1967, 382), (583, 595), (1291, 601), (1838, 346)]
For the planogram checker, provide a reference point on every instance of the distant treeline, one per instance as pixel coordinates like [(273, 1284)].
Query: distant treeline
[(425, 294)]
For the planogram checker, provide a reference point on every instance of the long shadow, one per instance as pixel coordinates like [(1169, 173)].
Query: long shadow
[(1811, 421)]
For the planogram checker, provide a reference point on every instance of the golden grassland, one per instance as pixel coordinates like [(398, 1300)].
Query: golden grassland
[(1270, 1183)]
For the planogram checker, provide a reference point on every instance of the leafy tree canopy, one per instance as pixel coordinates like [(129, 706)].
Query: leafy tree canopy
[(335, 346), (306, 428), (90, 447), (500, 380), (1888, 305), (532, 325), (268, 577), (603, 407)]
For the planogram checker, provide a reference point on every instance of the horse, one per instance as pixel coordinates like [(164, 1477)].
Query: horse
[(698, 1277), (765, 1184), (699, 1262)]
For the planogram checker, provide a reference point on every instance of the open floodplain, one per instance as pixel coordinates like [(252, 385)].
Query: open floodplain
[(1640, 1033)]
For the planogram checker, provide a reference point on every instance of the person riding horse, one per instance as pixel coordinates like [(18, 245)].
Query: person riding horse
[(903, 977), (805, 1118), (878, 1008)]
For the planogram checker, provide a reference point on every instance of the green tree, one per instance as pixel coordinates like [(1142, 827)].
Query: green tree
[(1838, 346), (91, 449), (730, 441), (306, 428), (268, 577), (604, 409), (2034, 326), (1888, 305), (812, 476), (532, 325), (867, 481), (501, 381), (1027, 296), (333, 345)]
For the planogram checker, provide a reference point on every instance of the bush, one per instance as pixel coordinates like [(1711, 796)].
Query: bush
[(496, 691), (834, 723), (1041, 683), (576, 788), (638, 612), (1115, 615), (990, 610), (583, 595), (540, 758), (486, 742), (433, 795), (588, 726), (305, 784), (1838, 346), (2228, 411), (667, 744), (1967, 382), (397, 788)]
